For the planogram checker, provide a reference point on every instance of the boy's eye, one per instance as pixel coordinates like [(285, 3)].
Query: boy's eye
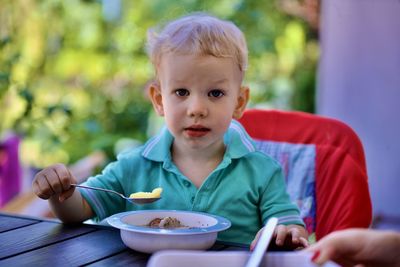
[(181, 92), (216, 93)]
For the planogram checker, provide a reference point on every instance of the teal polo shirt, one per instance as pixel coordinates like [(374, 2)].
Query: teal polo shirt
[(247, 187)]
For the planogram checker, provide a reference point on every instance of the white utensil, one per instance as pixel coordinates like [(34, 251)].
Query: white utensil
[(262, 244)]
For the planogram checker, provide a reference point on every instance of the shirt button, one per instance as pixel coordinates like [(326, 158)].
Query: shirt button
[(186, 183)]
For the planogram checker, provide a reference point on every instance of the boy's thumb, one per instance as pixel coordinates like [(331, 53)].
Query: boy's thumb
[(66, 194)]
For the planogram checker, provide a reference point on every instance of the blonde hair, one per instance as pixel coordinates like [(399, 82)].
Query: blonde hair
[(199, 34)]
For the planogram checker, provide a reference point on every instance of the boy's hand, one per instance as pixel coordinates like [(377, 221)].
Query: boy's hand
[(287, 236), (52, 181)]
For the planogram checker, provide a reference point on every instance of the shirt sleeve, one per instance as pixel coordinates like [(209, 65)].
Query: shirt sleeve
[(275, 202), (102, 203)]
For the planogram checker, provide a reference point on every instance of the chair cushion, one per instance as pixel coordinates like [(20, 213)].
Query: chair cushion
[(298, 165)]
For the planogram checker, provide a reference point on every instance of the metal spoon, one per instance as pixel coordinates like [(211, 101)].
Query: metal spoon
[(132, 200), (262, 244)]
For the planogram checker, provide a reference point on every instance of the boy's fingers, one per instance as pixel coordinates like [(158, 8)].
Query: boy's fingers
[(295, 233), (45, 191), (303, 241), (64, 176), (66, 194), (54, 182), (252, 245), (58, 177), (281, 232), (255, 240), (37, 191), (72, 178)]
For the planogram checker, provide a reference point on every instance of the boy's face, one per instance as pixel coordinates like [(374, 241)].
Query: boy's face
[(198, 96)]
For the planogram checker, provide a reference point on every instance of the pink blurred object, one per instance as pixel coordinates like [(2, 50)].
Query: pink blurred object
[(10, 169)]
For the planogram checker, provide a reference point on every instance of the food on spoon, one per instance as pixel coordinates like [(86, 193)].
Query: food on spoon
[(156, 193), (167, 223)]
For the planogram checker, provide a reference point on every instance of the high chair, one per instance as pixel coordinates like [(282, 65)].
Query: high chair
[(324, 166)]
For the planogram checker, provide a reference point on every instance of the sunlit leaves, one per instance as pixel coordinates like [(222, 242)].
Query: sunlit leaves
[(12, 108), (73, 81)]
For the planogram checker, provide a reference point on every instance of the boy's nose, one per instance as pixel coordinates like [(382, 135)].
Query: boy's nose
[(197, 108)]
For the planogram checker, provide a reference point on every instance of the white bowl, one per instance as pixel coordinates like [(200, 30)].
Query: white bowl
[(201, 235)]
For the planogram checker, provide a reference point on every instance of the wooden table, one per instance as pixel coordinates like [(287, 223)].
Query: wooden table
[(30, 241)]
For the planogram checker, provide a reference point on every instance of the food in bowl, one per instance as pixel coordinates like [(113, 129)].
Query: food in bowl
[(167, 223), (156, 193), (200, 232)]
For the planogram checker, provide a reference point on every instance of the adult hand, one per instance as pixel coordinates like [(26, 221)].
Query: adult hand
[(358, 246)]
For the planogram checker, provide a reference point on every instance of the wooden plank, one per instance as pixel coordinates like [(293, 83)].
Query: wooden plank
[(76, 251), (36, 236), (8, 223), (126, 258)]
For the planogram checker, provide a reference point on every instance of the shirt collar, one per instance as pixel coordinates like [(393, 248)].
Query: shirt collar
[(238, 144)]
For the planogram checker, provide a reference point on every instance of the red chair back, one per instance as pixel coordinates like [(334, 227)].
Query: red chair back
[(324, 164)]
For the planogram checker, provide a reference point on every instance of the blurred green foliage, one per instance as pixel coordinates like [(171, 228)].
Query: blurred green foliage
[(73, 73)]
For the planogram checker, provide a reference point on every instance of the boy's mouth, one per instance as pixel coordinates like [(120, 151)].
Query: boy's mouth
[(196, 131)]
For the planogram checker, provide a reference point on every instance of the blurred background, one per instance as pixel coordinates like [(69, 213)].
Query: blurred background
[(73, 76)]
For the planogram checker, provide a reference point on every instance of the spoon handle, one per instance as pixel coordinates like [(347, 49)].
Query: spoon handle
[(101, 189), (262, 244)]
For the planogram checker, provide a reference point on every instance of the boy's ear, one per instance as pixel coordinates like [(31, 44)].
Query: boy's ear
[(156, 98), (242, 100)]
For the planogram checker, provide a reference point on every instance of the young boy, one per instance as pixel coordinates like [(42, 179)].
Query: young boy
[(203, 160)]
